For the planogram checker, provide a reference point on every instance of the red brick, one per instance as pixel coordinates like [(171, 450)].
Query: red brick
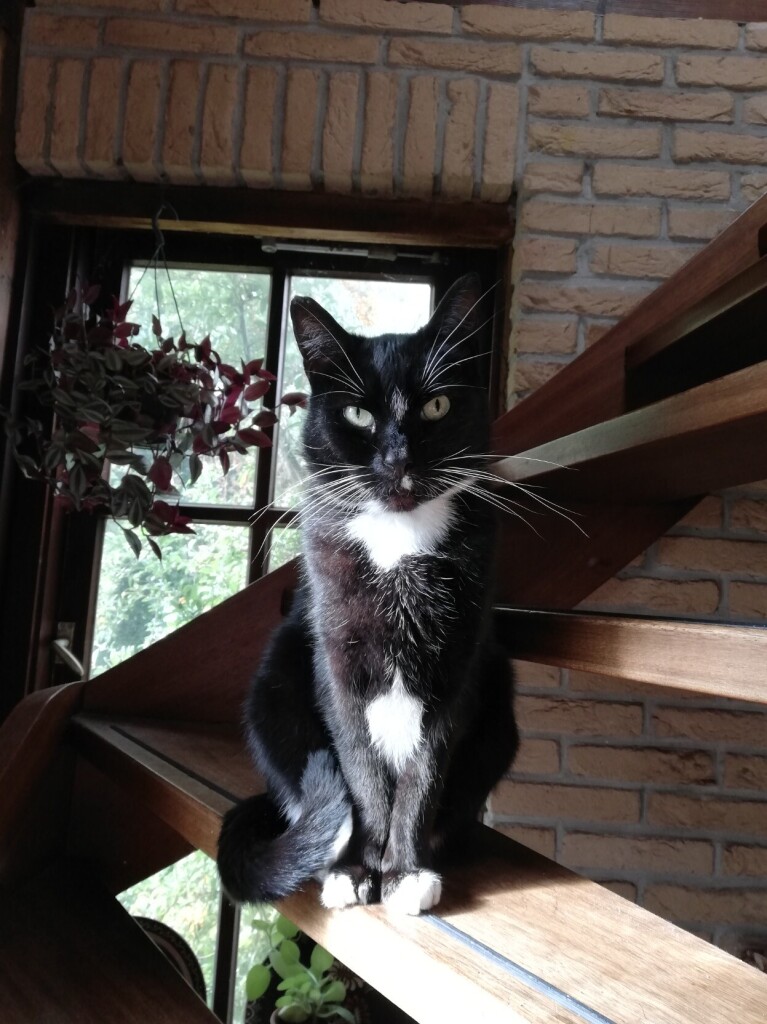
[(626, 890), (748, 600), (301, 100), (726, 146), (707, 906), (35, 92), (591, 300), (737, 728), (756, 36), (155, 34), (381, 14), (217, 148), (579, 717), (421, 138), (747, 73), (554, 255), (668, 597), (749, 514), (181, 121), (141, 118), (377, 163), (528, 674), (588, 140), (743, 771), (596, 329), (59, 32), (544, 336), (640, 260), (558, 100), (642, 764), (340, 131), (651, 104), (637, 853), (127, 5), (336, 48), (458, 155), (256, 156), (755, 110), (67, 106), (518, 23), (563, 176), (671, 182), (599, 63), (638, 221), (570, 803), (740, 859), (698, 224), (102, 116), (530, 375), (542, 840), (473, 58), (686, 32), (537, 757), (248, 10), (753, 186), (500, 141), (706, 515), (745, 557), (748, 817)]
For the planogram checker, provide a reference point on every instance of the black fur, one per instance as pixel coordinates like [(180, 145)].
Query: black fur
[(355, 626)]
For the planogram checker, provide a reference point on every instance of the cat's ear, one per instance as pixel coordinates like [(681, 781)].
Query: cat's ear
[(459, 309), (317, 334)]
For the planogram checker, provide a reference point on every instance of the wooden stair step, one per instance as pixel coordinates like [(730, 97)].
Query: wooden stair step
[(70, 954), (720, 334), (702, 440), (516, 938), (703, 657)]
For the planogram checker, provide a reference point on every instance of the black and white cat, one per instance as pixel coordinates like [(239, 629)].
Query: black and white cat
[(381, 715)]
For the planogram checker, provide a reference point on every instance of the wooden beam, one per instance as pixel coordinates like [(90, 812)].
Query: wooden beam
[(728, 10), (258, 213), (711, 658), (702, 440)]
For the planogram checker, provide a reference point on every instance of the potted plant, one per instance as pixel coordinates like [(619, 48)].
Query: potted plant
[(133, 422), (309, 991)]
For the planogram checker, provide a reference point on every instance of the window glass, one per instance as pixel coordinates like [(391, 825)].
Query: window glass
[(231, 306), (141, 600)]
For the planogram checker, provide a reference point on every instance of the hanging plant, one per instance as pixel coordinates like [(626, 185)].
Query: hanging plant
[(147, 410)]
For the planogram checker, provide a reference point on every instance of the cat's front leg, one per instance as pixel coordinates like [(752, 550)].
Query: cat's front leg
[(356, 877), (409, 884)]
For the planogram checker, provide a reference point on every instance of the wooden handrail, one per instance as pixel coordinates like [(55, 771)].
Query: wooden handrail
[(703, 657), (702, 440)]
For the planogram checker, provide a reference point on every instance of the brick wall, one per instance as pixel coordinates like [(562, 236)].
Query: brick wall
[(627, 143)]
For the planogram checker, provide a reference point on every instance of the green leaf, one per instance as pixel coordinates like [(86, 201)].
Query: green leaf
[(155, 547), (282, 966), (321, 960), (337, 1011), (257, 981), (286, 928), (335, 992), (293, 1014), (133, 542), (290, 951)]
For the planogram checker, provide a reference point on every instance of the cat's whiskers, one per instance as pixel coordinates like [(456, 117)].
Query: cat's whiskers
[(494, 500)]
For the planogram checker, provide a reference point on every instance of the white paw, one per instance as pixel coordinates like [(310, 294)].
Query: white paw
[(414, 892), (338, 891)]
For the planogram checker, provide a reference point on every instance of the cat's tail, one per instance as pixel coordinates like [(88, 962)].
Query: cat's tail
[(257, 864)]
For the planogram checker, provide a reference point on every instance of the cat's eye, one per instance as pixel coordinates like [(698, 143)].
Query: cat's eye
[(436, 408), (358, 417)]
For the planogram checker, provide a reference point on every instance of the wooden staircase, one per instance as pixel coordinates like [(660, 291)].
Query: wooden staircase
[(104, 782)]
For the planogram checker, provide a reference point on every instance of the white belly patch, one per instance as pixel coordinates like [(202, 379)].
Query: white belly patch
[(394, 723), (389, 536)]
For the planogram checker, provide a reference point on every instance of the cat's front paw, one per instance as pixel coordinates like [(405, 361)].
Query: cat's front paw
[(410, 892), (347, 887)]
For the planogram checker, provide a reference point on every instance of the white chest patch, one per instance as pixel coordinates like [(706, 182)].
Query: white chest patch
[(389, 536), (394, 723)]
